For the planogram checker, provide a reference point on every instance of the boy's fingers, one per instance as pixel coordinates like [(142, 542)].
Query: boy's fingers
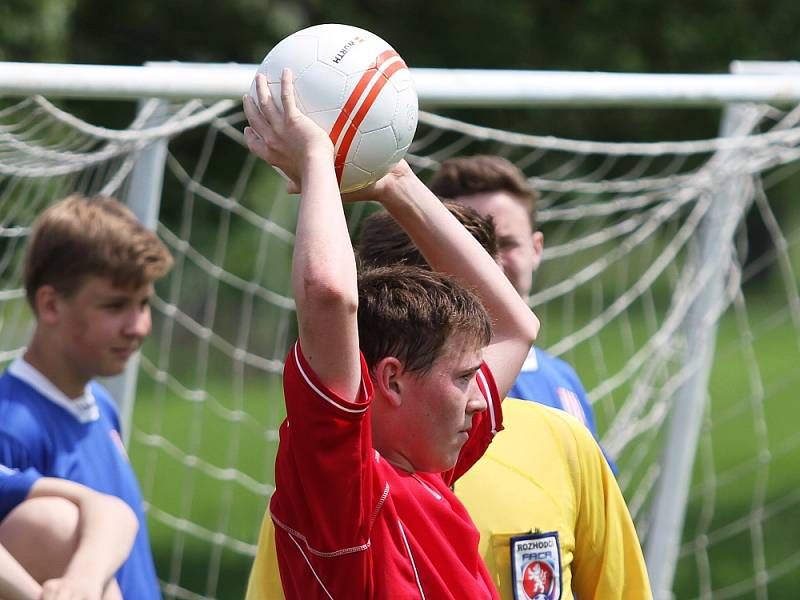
[(287, 92), (269, 106), (255, 143), (258, 121), (262, 90)]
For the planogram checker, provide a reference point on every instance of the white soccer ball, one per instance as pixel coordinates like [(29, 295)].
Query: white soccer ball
[(357, 88)]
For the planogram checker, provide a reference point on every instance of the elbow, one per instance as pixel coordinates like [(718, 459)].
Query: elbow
[(132, 522), (327, 295), (124, 516), (531, 328)]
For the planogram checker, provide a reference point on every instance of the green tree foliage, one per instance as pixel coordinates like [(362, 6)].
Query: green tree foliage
[(605, 35), (621, 35), (183, 30), (34, 30)]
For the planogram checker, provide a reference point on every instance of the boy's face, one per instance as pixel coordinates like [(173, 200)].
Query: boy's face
[(100, 326), (440, 405), (519, 249)]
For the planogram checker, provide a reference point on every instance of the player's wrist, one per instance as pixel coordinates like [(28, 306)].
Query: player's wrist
[(401, 187), (317, 159), (320, 149)]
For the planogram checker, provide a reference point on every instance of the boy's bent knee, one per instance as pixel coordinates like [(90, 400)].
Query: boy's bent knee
[(42, 534)]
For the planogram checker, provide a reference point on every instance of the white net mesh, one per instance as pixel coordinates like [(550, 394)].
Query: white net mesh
[(651, 250)]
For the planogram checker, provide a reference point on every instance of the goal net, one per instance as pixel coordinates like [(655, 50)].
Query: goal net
[(670, 282)]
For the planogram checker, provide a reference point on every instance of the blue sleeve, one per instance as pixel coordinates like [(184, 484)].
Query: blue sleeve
[(13, 454), (14, 487)]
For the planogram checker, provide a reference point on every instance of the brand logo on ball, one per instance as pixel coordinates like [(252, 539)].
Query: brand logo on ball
[(536, 566), (341, 53)]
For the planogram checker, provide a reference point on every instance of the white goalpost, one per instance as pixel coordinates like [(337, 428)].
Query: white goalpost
[(670, 282)]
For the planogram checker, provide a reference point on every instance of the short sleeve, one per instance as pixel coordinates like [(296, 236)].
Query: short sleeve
[(15, 487), (325, 462)]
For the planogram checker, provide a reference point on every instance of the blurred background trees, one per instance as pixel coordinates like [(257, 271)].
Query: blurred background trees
[(647, 36), (629, 35)]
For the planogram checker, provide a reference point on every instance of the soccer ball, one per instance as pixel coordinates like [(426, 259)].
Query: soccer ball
[(357, 88)]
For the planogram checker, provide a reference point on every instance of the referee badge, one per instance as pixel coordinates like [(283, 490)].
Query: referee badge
[(536, 566)]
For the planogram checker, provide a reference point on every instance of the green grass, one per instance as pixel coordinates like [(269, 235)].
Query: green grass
[(183, 491), (730, 439), (764, 369)]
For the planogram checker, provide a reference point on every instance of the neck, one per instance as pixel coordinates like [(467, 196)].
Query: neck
[(380, 442), (399, 463), (387, 432), (54, 367)]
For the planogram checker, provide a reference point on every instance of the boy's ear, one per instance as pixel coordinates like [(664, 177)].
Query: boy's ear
[(46, 302), (537, 242), (388, 379)]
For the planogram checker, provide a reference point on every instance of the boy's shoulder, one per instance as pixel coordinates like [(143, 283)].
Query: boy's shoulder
[(18, 403), (22, 435), (538, 422), (24, 406), (541, 439), (548, 379)]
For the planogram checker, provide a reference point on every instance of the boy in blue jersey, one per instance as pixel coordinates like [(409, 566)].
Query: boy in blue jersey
[(494, 186), (72, 539), (89, 271)]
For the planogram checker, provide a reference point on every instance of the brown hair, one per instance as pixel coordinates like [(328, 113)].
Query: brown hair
[(468, 175), (81, 236), (383, 242), (409, 313)]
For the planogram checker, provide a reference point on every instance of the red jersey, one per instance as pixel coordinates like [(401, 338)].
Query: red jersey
[(350, 525)]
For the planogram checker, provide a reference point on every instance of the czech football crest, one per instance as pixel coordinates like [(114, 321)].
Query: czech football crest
[(536, 566)]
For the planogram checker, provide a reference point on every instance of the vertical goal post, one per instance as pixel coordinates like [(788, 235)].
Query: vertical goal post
[(664, 404)]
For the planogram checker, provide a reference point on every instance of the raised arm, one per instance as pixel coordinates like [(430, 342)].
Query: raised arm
[(448, 247), (323, 265)]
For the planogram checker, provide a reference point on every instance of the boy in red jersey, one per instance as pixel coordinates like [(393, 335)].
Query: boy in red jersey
[(393, 389)]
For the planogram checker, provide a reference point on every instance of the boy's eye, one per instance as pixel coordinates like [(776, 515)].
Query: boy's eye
[(506, 243), (114, 304)]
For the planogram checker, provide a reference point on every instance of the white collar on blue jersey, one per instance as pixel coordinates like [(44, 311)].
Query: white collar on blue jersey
[(83, 408), (531, 362)]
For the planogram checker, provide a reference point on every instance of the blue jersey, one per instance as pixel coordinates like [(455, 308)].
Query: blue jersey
[(14, 487), (553, 382), (43, 433)]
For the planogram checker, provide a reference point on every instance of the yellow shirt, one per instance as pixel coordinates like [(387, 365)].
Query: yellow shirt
[(545, 483), (265, 580)]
